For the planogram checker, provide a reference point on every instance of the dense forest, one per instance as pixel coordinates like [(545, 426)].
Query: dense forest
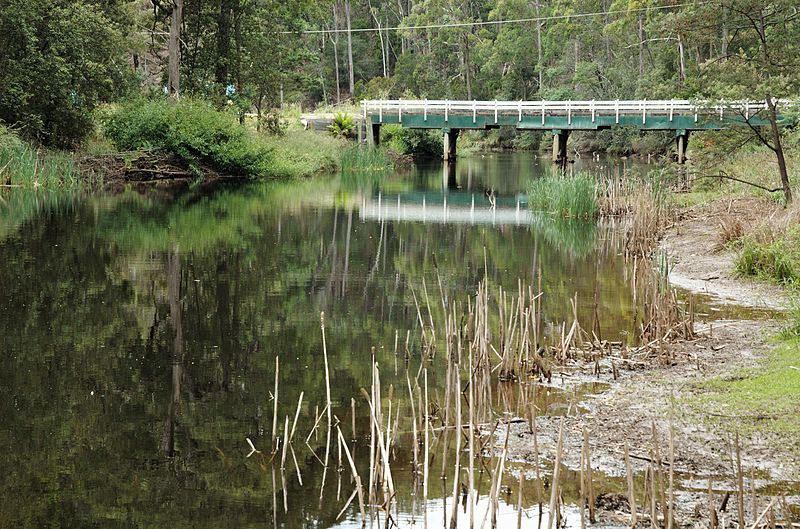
[(60, 59)]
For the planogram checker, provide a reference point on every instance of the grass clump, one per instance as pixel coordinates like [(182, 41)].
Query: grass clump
[(357, 159), (25, 166), (771, 258), (568, 196), (192, 130), (303, 153)]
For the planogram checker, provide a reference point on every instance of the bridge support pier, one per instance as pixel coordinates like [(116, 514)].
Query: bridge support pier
[(682, 143), (450, 140), (375, 134), (560, 146)]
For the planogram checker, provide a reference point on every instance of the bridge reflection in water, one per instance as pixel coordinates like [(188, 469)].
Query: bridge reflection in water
[(460, 207)]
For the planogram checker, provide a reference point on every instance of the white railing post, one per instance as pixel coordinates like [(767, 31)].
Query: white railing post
[(592, 106), (425, 111), (569, 112), (543, 116), (380, 111), (644, 111), (399, 110), (520, 111), (616, 111), (671, 108), (695, 113), (474, 110), (495, 111), (446, 108)]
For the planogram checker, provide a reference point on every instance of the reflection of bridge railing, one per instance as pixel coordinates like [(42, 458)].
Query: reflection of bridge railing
[(501, 110), (394, 208)]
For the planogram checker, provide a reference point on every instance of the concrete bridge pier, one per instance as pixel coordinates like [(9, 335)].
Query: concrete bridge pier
[(682, 143), (375, 134), (450, 140), (560, 146)]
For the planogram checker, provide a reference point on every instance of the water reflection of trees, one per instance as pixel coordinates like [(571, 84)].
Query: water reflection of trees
[(140, 340)]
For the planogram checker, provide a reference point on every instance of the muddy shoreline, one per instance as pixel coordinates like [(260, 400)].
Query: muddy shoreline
[(662, 395)]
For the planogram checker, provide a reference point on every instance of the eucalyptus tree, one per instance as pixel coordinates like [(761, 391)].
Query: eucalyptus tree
[(761, 61)]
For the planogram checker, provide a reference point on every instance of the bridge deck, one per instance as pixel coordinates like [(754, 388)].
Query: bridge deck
[(673, 114)]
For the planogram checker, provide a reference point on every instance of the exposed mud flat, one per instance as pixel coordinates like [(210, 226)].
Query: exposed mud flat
[(642, 396)]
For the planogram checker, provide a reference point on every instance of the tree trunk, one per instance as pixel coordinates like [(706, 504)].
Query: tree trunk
[(773, 118), (682, 65), (539, 64), (778, 148), (724, 47), (336, 51), (641, 46), (349, 47), (174, 47), (221, 71), (467, 66)]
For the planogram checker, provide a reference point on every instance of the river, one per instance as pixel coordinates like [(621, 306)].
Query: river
[(140, 337)]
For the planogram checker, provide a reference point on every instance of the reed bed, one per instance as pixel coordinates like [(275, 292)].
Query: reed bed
[(22, 165), (492, 348)]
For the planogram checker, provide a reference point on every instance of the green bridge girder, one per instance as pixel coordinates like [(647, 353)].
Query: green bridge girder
[(679, 123)]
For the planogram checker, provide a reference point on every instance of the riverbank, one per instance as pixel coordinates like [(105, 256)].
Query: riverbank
[(705, 394)]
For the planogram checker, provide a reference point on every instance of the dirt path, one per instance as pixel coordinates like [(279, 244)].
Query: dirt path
[(698, 265), (645, 396)]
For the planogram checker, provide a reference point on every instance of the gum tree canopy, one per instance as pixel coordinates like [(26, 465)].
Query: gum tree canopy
[(58, 60)]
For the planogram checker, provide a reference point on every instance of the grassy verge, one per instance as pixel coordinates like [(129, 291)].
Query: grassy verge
[(22, 165), (764, 399)]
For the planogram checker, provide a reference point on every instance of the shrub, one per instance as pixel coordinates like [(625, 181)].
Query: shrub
[(192, 130), (420, 142)]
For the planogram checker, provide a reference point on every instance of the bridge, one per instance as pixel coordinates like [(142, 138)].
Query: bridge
[(560, 117)]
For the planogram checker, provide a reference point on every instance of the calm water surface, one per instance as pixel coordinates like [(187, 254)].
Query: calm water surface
[(139, 335)]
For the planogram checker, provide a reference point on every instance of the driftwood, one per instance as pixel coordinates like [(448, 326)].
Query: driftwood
[(143, 167)]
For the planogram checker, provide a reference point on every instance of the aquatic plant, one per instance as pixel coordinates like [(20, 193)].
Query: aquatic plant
[(568, 196), (356, 159), (23, 165)]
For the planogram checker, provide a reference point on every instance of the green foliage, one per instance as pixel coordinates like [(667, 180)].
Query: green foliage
[(775, 260), (58, 61), (420, 142), (192, 130), (23, 165), (303, 153), (765, 398), (357, 159), (273, 123), (568, 196), (342, 125)]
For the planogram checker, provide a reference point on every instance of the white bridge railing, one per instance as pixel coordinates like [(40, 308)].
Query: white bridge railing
[(668, 107)]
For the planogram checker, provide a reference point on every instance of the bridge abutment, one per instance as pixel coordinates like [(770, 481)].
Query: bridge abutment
[(449, 142), (560, 146)]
